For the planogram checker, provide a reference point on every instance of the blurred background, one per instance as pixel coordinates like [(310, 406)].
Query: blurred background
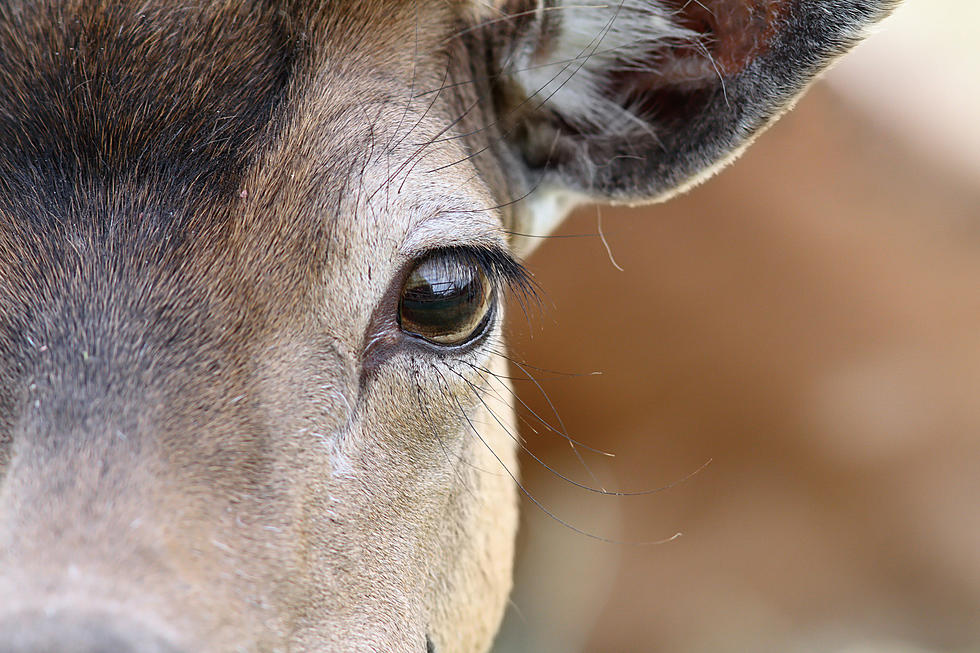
[(809, 322)]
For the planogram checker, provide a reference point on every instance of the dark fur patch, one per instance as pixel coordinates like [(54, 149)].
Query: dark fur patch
[(160, 107), (126, 130)]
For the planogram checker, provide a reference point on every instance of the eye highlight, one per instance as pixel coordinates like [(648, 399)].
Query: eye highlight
[(448, 298)]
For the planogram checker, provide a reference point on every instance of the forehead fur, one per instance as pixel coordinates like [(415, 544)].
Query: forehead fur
[(161, 161), (172, 94), (154, 111), (141, 124)]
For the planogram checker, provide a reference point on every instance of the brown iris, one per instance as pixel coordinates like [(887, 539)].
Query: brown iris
[(447, 299)]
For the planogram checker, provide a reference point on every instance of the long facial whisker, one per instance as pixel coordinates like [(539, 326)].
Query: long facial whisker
[(443, 86), (571, 375), (418, 152), (519, 441), (545, 423), (524, 364), (533, 499), (425, 412), (563, 429), (411, 89), (597, 490), (561, 422)]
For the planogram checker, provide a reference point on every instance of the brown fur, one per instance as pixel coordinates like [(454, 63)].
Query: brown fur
[(214, 436)]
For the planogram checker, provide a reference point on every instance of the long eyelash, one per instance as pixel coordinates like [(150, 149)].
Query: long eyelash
[(503, 270)]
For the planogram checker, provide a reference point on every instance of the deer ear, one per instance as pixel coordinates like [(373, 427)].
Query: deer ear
[(635, 100)]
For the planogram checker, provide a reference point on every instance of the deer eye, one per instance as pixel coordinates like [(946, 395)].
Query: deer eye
[(447, 299)]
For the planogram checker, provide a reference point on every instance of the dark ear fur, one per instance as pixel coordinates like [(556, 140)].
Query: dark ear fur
[(638, 99)]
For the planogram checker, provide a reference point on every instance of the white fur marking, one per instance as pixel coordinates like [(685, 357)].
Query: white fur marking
[(593, 40)]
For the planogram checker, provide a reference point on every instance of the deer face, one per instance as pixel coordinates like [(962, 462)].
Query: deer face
[(253, 260)]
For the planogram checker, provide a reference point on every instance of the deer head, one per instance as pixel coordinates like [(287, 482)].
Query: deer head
[(253, 256)]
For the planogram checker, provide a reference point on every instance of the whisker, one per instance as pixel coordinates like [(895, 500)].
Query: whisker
[(536, 502), (555, 236), (425, 113), (411, 89), (530, 410), (520, 442), (561, 422), (434, 431)]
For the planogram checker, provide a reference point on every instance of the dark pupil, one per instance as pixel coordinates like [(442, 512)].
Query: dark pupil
[(443, 302)]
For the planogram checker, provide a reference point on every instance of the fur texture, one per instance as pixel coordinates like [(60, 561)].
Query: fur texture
[(669, 91), (584, 43), (214, 435)]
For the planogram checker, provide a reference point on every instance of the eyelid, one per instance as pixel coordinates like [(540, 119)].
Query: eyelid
[(450, 228)]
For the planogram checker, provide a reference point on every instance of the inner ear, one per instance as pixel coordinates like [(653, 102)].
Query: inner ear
[(679, 78), (733, 32), (628, 69), (635, 99)]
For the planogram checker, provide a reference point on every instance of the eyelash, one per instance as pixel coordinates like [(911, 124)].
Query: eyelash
[(504, 271)]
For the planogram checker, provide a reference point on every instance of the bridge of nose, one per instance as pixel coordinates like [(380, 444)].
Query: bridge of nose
[(139, 478), (128, 421)]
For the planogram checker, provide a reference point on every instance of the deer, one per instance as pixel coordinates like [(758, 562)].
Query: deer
[(253, 264)]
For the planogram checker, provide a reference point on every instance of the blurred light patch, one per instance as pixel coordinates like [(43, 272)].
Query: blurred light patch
[(919, 76)]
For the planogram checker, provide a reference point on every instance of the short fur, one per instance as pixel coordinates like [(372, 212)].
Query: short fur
[(213, 434)]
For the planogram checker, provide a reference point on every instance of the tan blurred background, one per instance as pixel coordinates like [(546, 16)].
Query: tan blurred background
[(808, 321)]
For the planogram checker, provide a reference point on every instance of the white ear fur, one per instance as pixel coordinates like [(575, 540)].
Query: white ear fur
[(592, 39), (567, 79)]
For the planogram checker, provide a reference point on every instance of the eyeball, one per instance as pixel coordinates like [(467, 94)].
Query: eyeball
[(447, 299)]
